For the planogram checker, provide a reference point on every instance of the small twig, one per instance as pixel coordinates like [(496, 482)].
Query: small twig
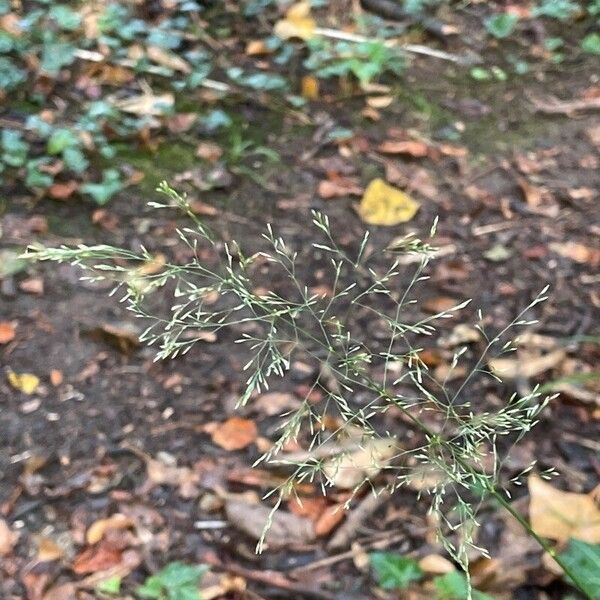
[(272, 578), (554, 106), (367, 507)]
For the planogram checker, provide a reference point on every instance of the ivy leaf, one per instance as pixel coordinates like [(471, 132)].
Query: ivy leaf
[(454, 586), (501, 25), (176, 580), (55, 56), (10, 75), (102, 192), (584, 560), (151, 588), (14, 148), (112, 585), (591, 43), (65, 17), (60, 140), (35, 177), (394, 572), (75, 160)]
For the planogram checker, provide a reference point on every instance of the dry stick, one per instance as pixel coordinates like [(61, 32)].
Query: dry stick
[(272, 578), (554, 106), (368, 506)]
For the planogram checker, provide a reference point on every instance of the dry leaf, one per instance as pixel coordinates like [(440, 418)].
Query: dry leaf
[(383, 204), (577, 252), (349, 470), (209, 151), (275, 403), (162, 473), (436, 564), (56, 377), (97, 558), (439, 304), (525, 366), (97, 529), (168, 59), (562, 515), (62, 191), (147, 104), (64, 591), (379, 101), (24, 382), (286, 528), (235, 433), (331, 517), (411, 147), (32, 285), (298, 23), (7, 332), (48, 549), (8, 538), (310, 87), (339, 186)]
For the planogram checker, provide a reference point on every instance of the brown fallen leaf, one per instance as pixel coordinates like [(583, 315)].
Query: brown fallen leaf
[(439, 304), (275, 403), (32, 285), (339, 186), (147, 104), (412, 148), (435, 564), (331, 517), (62, 191), (235, 433), (309, 87), (350, 469), (48, 549), (123, 337), (56, 377), (97, 529), (562, 515), (63, 591), (97, 558), (577, 252), (8, 538), (286, 528), (525, 365), (209, 151), (7, 332)]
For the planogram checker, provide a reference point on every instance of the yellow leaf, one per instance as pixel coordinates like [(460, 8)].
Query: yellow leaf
[(98, 528), (298, 23), (24, 382), (383, 204), (562, 515), (310, 87)]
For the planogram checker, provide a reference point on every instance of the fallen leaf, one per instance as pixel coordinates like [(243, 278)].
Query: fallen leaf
[(32, 285), (251, 518), (168, 59), (339, 186), (379, 101), (62, 191), (298, 23), (122, 337), (562, 515), (24, 382), (331, 517), (310, 87), (577, 252), (436, 565), (350, 469), (383, 204), (275, 403), (410, 147), (308, 507), (147, 104), (56, 377), (48, 549), (97, 558), (10, 263), (209, 151), (7, 332), (64, 591), (257, 48), (161, 472), (235, 433), (97, 529), (181, 122), (525, 366), (439, 304), (461, 334), (8, 538)]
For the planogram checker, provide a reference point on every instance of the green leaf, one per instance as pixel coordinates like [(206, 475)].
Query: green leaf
[(7, 42), (216, 119), (55, 56), (102, 192), (152, 588), (480, 74), (60, 140), (35, 178), (112, 585), (10, 263), (10, 75), (454, 586), (584, 560), (14, 148), (563, 10), (393, 572), (75, 160), (501, 25), (65, 17), (591, 43)]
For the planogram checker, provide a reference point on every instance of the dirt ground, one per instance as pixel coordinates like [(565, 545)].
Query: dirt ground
[(517, 204)]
